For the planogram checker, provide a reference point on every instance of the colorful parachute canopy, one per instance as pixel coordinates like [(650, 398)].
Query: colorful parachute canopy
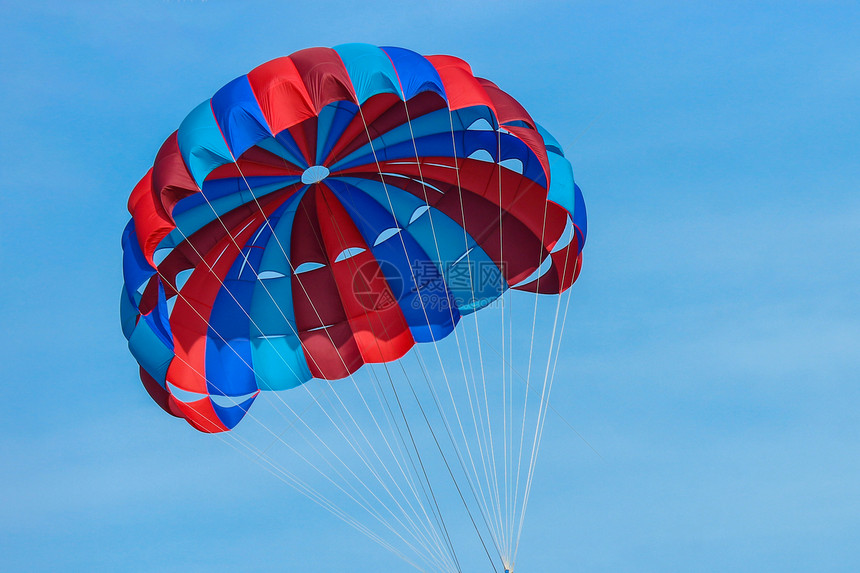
[(329, 209)]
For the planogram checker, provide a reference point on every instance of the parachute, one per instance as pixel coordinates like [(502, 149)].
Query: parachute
[(333, 214)]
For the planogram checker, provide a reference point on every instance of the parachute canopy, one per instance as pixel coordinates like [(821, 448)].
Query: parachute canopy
[(329, 209)]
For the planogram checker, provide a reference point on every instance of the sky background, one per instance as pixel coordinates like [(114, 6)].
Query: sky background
[(713, 348)]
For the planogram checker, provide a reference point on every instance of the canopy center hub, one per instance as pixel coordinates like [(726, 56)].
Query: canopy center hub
[(314, 174)]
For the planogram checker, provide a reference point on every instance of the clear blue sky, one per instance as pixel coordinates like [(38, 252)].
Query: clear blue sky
[(715, 345)]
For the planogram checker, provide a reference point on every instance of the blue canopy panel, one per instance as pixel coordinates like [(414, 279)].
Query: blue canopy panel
[(229, 370), (278, 357), (580, 218), (434, 122), (291, 149), (228, 194), (563, 190), (159, 318), (201, 144), (332, 121), (150, 351), (231, 410), (214, 189), (284, 146), (427, 124), (551, 143), (414, 72), (136, 272), (370, 70), (561, 182), (128, 313), (239, 116)]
